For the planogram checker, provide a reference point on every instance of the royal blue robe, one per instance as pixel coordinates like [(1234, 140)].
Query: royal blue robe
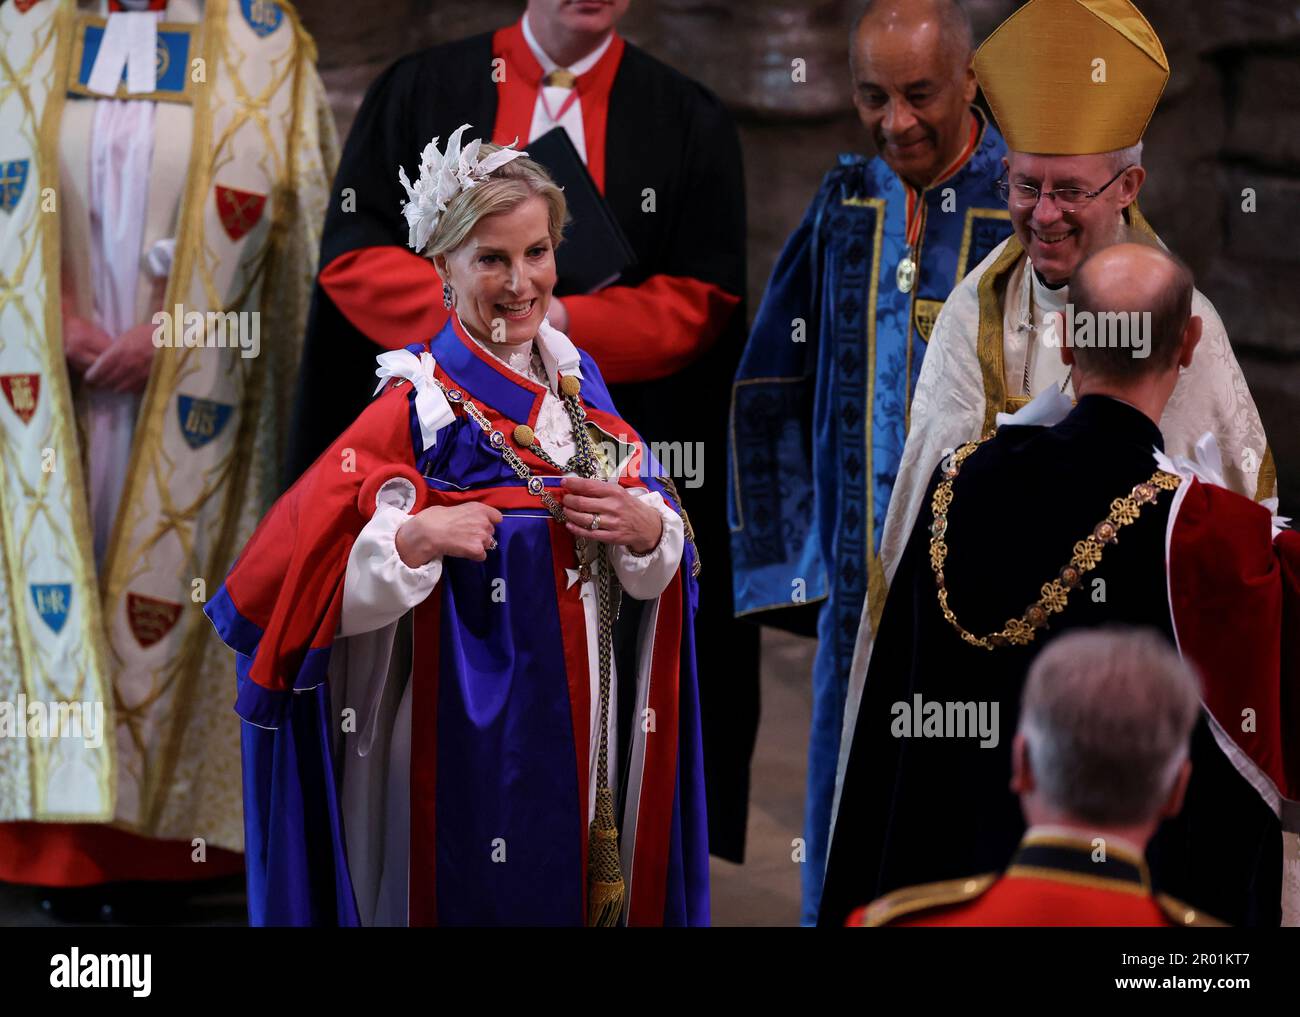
[(819, 413)]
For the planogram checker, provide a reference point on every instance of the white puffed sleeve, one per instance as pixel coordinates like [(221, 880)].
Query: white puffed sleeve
[(645, 576), (379, 587)]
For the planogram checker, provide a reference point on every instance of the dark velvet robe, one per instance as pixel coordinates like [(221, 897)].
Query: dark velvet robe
[(916, 810)]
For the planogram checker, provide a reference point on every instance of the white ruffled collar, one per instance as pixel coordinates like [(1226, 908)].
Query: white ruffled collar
[(559, 356)]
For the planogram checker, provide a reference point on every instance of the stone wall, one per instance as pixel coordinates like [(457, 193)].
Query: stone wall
[(1229, 121)]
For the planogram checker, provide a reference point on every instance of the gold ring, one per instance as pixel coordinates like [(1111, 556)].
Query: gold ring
[(595, 522)]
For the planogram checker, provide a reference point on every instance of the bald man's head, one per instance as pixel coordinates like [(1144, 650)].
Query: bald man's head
[(1131, 279), (913, 82), (949, 17)]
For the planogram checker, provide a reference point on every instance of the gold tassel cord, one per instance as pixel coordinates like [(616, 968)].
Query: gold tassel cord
[(604, 876), (671, 487), (605, 887)]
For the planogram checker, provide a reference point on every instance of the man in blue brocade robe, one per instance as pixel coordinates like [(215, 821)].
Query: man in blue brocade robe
[(820, 405)]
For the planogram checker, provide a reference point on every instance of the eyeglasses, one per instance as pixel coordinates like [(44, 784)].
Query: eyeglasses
[(1067, 199)]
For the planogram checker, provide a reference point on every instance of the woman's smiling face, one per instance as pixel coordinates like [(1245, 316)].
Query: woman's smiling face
[(503, 273)]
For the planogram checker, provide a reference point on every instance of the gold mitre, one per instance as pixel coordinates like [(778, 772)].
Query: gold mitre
[(1072, 77)]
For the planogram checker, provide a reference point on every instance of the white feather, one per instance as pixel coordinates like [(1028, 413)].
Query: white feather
[(443, 175)]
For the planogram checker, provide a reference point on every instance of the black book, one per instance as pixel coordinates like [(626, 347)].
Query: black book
[(595, 251)]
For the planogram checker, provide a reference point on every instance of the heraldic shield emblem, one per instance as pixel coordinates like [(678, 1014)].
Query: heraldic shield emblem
[(22, 392), (13, 181), (239, 210), (927, 311), (150, 618), (201, 419), (263, 16), (52, 602)]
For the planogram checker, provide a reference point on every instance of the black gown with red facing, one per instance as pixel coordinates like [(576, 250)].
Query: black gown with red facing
[(1215, 582)]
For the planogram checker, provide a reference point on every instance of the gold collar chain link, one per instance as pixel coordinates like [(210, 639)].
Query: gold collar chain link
[(1054, 595)]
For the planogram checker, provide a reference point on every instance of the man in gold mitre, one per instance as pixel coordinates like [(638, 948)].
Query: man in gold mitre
[(1072, 85)]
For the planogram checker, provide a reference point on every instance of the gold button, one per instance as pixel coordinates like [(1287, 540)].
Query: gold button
[(970, 886), (523, 435), (570, 385)]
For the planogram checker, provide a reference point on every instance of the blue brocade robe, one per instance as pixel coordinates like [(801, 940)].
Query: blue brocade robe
[(820, 412)]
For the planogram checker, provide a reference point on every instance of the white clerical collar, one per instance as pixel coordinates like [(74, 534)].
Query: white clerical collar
[(1046, 299), (577, 67)]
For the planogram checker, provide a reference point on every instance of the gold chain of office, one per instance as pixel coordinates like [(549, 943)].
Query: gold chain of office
[(1087, 553)]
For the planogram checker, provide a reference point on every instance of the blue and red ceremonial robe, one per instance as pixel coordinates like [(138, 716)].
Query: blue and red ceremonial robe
[(501, 687)]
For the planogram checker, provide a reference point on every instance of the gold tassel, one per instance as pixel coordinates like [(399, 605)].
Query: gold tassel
[(604, 875), (671, 487)]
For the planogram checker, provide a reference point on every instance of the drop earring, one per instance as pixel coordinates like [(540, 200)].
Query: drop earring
[(447, 295)]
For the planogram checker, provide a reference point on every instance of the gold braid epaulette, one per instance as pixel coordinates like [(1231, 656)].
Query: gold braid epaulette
[(1087, 553)]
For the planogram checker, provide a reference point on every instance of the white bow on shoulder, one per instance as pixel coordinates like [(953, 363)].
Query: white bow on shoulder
[(1206, 465), (431, 406)]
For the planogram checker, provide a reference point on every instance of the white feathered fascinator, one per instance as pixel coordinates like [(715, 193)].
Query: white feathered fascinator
[(443, 175)]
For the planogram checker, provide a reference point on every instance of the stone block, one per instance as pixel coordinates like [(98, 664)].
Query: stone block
[(1266, 110), (1259, 303)]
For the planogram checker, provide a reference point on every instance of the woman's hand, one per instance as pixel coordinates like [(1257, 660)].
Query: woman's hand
[(462, 531), (624, 518)]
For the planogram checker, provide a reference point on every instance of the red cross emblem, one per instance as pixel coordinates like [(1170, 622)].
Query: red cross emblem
[(239, 210), (23, 391)]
